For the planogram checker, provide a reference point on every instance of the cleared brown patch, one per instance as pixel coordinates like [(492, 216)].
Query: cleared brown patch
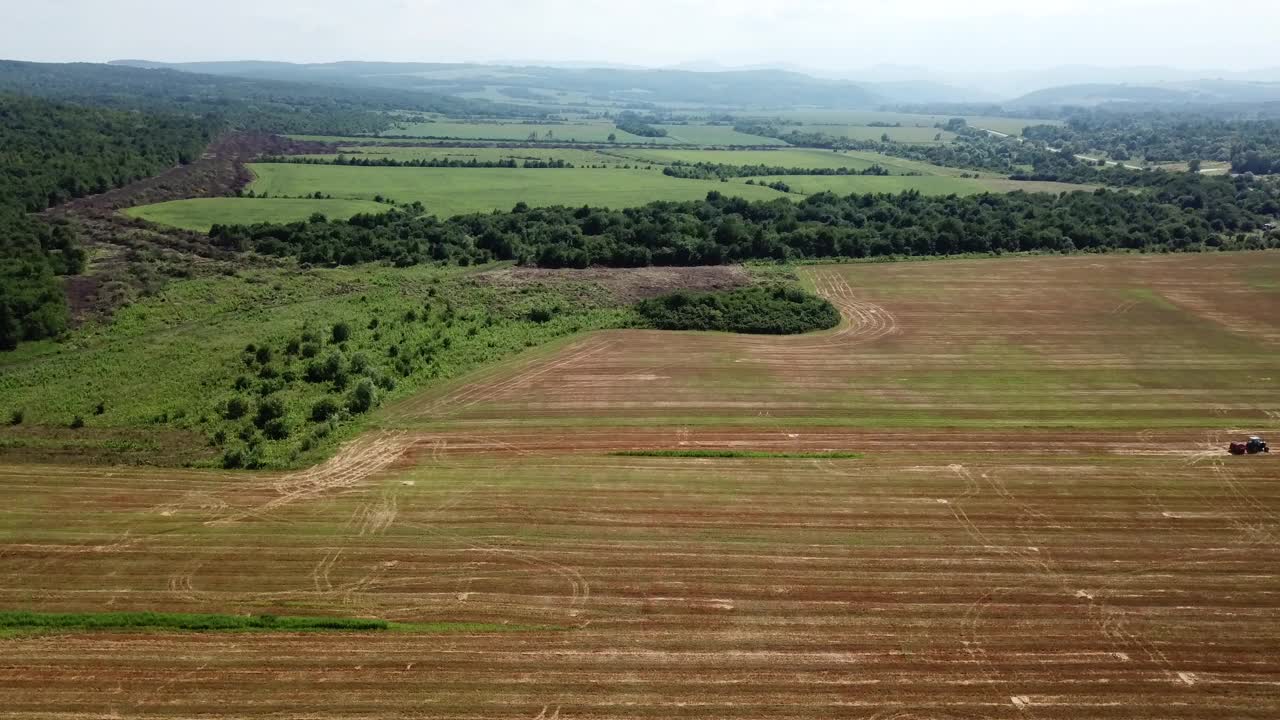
[(627, 284)]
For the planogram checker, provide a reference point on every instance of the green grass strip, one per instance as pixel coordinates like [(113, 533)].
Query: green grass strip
[(181, 621), (748, 454), (15, 623)]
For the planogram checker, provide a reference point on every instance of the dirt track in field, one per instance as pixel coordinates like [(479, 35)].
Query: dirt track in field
[(979, 561)]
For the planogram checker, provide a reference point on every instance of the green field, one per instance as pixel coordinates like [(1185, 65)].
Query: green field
[(451, 191), (191, 337), (914, 135), (588, 132), (714, 135), (790, 158), (488, 154), (200, 214), (1009, 126)]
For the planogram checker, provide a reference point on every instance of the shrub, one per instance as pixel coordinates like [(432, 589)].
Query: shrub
[(263, 355), (363, 397), (100, 408), (236, 408), (293, 346), (341, 332), (276, 429), (324, 409), (310, 350), (16, 417), (77, 422), (774, 311), (270, 408), (359, 364)]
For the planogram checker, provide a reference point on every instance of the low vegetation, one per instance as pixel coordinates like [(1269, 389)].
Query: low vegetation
[(756, 310), (11, 620)]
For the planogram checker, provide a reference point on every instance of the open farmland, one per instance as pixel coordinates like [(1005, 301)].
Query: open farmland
[(450, 191), (201, 213), (1043, 523), (1006, 125), (585, 132)]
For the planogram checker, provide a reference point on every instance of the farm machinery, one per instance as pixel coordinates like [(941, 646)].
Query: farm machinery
[(1253, 446)]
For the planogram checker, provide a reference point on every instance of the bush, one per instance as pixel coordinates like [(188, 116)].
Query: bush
[(276, 429), (100, 408), (263, 355), (16, 417), (271, 408), (364, 397), (772, 311), (236, 408), (341, 332), (324, 409), (77, 422)]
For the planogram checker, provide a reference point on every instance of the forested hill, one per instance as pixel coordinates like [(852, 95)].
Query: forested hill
[(249, 104), (50, 153)]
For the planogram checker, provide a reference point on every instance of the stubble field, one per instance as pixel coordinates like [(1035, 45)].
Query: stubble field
[(1044, 524)]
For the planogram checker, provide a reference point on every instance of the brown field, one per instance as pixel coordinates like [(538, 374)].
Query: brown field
[(1044, 525)]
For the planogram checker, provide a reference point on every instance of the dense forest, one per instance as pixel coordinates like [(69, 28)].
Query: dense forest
[(248, 104), (637, 125), (51, 153), (1184, 212), (1250, 145)]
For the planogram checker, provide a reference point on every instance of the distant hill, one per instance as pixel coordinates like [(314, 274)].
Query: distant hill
[(1197, 92), (616, 86)]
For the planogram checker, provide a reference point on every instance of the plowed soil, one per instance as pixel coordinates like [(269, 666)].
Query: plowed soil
[(1045, 524)]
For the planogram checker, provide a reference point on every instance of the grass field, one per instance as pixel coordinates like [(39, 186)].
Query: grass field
[(577, 157), (201, 213), (905, 134), (591, 132), (1009, 126), (449, 191), (191, 339), (791, 158), (714, 135), (1043, 523)]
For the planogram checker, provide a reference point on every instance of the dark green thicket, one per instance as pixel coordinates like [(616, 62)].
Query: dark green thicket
[(636, 125), (761, 310), (238, 102), (51, 153), (1171, 212)]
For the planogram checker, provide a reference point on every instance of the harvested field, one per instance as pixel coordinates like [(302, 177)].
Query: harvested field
[(1043, 523)]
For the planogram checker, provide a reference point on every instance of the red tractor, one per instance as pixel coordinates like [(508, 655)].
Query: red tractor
[(1254, 446)]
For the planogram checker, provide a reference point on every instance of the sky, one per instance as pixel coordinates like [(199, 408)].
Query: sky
[(833, 35)]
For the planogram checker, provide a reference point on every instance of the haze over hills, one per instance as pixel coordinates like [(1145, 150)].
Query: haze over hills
[(768, 85)]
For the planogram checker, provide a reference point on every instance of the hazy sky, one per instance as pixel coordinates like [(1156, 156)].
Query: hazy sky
[(832, 34)]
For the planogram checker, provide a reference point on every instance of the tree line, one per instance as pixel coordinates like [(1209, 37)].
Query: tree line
[(1250, 144), (354, 161), (1184, 213), (630, 122), (721, 171), (51, 153), (972, 148)]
